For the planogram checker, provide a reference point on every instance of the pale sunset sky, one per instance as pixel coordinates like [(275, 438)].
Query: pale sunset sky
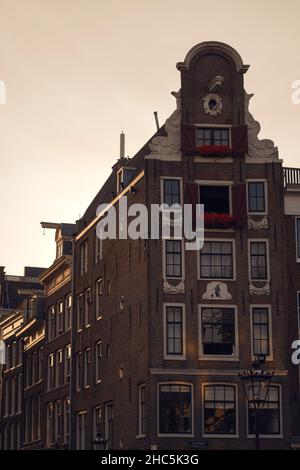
[(78, 72)]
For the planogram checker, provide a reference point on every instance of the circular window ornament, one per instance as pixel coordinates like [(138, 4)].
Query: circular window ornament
[(212, 104)]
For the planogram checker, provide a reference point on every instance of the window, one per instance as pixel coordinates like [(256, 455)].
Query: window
[(66, 420), (20, 352), (35, 360), (68, 312), (67, 364), (215, 199), (298, 238), (124, 176), (96, 421), (98, 355), (219, 409), (19, 393), (269, 414), (173, 250), (59, 249), (87, 301), (78, 371), (79, 312), (28, 422), (28, 371), (171, 192), (109, 425), (80, 430), (86, 362), (211, 136), (98, 248), (142, 410), (175, 409), (19, 436), (98, 298), (13, 395), (59, 368), (7, 397), (59, 317), (216, 260), (218, 331), (51, 323), (50, 424), (174, 331), (50, 375), (14, 354), (258, 260), (260, 331), (58, 416), (40, 363), (298, 306), (84, 257), (256, 196)]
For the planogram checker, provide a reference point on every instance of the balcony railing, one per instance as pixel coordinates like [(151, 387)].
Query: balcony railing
[(291, 176)]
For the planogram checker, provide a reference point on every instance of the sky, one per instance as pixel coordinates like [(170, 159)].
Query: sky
[(78, 72)]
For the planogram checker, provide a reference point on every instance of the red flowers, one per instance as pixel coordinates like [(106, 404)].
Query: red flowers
[(216, 150), (218, 220)]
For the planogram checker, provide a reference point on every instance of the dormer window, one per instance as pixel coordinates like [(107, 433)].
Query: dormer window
[(124, 176), (59, 249), (212, 136)]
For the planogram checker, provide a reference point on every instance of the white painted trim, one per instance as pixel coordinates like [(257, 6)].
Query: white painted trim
[(296, 232), (208, 357), (270, 357), (217, 183), (175, 382), (209, 279), (258, 180), (268, 436), (221, 436), (174, 357), (267, 241), (164, 263)]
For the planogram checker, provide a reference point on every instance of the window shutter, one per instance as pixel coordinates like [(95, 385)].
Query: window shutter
[(191, 196), (188, 139), (239, 139), (239, 204)]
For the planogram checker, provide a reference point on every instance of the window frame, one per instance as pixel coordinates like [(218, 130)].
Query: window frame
[(212, 127), (217, 183), (168, 356), (164, 257), (257, 180), (162, 188), (141, 422), (219, 279), (218, 357), (269, 436), (269, 357), (259, 240), (221, 436)]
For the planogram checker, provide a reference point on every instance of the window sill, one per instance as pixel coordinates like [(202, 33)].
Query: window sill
[(140, 436), (221, 436), (176, 435), (174, 357), (266, 436), (218, 358)]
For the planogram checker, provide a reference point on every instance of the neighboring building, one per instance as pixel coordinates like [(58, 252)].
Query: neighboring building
[(56, 281)]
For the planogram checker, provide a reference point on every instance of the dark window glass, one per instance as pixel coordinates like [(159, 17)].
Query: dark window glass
[(216, 260), (269, 416), (258, 254), (174, 339), (298, 236), (175, 413), (173, 258), (218, 331), (171, 192), (211, 136), (215, 199), (219, 409), (260, 326), (256, 196)]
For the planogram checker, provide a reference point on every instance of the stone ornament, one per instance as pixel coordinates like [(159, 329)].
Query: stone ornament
[(212, 104), (258, 224), (216, 291), (169, 289), (265, 290)]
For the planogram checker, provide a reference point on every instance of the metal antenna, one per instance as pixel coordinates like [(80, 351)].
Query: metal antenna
[(156, 120)]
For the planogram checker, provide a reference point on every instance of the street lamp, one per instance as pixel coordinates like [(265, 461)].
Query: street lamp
[(256, 384), (99, 443)]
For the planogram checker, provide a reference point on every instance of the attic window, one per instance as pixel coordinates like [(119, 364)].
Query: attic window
[(212, 136), (59, 249), (124, 176), (215, 199)]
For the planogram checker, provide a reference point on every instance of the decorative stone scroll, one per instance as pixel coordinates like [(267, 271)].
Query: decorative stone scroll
[(170, 289), (258, 224), (216, 291), (265, 290)]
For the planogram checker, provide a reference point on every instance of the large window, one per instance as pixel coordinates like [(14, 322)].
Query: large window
[(98, 355), (59, 317), (171, 192), (269, 422), (212, 136), (217, 331), (258, 260), (219, 409), (67, 368), (81, 430), (86, 363), (174, 330), (68, 310), (98, 299), (298, 238), (175, 409), (173, 258), (50, 424), (216, 260), (215, 199), (50, 375), (256, 196), (87, 302), (66, 420), (79, 312), (51, 323), (260, 331), (84, 257), (97, 416)]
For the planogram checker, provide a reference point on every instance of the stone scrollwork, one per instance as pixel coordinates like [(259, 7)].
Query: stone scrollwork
[(264, 290), (170, 289), (258, 224), (216, 291)]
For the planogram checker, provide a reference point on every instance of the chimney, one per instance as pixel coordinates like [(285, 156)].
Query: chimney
[(122, 145)]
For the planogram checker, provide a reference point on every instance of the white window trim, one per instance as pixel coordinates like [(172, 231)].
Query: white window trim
[(266, 240), (98, 358), (140, 435), (225, 279), (270, 357), (176, 382), (216, 357), (268, 436), (296, 231), (174, 357), (162, 179), (258, 180), (217, 183), (97, 298), (221, 436), (164, 261)]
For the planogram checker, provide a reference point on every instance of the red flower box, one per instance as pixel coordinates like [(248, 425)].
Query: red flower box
[(218, 220), (214, 150)]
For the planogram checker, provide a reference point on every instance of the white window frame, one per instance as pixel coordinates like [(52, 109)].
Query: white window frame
[(98, 361), (87, 303), (176, 382), (296, 238), (221, 436), (266, 241), (258, 180), (270, 357), (217, 183), (174, 357), (217, 357), (162, 197), (219, 279), (268, 436), (95, 410), (164, 261), (99, 288), (81, 438)]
